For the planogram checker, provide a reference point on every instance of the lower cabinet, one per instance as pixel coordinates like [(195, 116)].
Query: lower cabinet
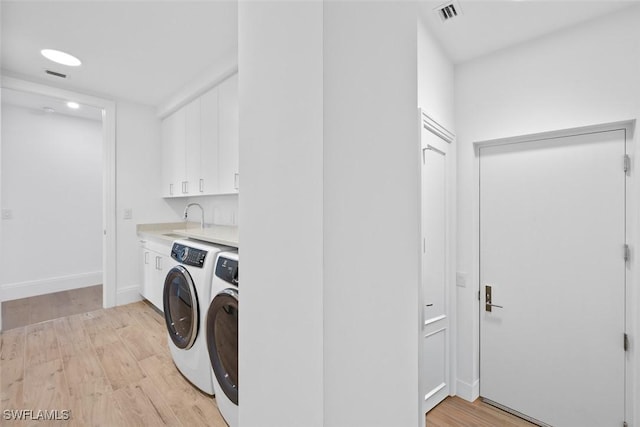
[(154, 264)]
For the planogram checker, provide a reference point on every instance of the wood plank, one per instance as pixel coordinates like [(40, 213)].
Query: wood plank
[(100, 328), (120, 367), (102, 385), (121, 317), (45, 386), (73, 338), (142, 405), (12, 344), (85, 375), (99, 410), (191, 406), (12, 383), (138, 341), (456, 412), (41, 344)]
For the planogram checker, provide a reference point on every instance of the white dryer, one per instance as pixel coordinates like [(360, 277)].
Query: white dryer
[(222, 335), (186, 296)]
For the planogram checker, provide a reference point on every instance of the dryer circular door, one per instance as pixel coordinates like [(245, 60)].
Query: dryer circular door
[(222, 341), (181, 312)]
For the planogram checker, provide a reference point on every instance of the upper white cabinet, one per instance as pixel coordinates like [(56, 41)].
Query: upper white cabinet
[(173, 153), (200, 144), (228, 133)]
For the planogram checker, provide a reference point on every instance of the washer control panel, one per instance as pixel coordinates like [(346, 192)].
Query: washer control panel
[(188, 256), (227, 270)]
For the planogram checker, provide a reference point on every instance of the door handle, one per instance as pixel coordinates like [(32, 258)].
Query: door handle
[(487, 297)]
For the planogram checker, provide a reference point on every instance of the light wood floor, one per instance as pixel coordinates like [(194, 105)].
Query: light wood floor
[(109, 367), (32, 310), (113, 368), (456, 412)]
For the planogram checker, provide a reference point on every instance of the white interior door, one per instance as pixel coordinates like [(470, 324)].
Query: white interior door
[(436, 269), (552, 248)]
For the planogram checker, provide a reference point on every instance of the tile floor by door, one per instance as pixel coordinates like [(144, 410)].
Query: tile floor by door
[(109, 367)]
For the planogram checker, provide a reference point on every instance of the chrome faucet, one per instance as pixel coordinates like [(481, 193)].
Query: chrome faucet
[(186, 214)]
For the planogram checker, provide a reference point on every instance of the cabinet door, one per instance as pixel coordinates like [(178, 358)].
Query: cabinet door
[(192, 148), (157, 283), (208, 183), (146, 261), (228, 133), (173, 153)]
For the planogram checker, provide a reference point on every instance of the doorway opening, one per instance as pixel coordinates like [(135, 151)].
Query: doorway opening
[(102, 217)]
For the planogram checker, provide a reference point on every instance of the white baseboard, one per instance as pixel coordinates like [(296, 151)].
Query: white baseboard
[(468, 392), (128, 295), (31, 288)]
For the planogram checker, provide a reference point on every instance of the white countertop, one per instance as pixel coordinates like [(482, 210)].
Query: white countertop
[(220, 234)]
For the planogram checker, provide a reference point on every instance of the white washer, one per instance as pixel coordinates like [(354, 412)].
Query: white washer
[(222, 335), (186, 296)]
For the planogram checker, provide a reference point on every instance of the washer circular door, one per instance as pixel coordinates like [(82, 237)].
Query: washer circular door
[(222, 341), (181, 311)]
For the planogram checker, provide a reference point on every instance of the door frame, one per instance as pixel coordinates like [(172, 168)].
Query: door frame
[(632, 217), (108, 107), (427, 123)]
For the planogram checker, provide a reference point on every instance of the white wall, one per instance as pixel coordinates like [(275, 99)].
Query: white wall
[(138, 169), (371, 215), (582, 76), (280, 96), (435, 79), (328, 143), (218, 210), (52, 183)]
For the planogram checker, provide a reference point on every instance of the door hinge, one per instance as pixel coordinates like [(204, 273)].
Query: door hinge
[(627, 164), (627, 253), (626, 342), (478, 295), (624, 424)]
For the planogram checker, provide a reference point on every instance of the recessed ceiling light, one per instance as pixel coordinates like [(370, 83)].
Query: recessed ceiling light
[(73, 105), (60, 57)]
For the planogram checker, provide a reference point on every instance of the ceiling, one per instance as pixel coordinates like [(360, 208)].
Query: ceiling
[(39, 103), (147, 51), (143, 51), (488, 26)]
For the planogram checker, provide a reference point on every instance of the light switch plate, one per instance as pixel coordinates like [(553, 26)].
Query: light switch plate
[(128, 213), (461, 279), (7, 214)]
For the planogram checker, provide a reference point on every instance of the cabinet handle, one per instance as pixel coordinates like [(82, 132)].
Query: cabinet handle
[(158, 263), (185, 187), (201, 185), (146, 257), (171, 189), (236, 181)]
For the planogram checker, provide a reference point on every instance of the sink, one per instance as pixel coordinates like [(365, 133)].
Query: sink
[(174, 235)]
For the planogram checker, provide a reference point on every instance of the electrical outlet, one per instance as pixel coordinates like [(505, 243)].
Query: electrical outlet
[(7, 214), (128, 213)]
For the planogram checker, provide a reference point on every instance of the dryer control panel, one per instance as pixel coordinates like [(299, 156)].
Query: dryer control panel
[(188, 256), (227, 269)]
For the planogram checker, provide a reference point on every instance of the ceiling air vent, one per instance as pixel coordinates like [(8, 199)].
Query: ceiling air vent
[(54, 73), (448, 11)]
